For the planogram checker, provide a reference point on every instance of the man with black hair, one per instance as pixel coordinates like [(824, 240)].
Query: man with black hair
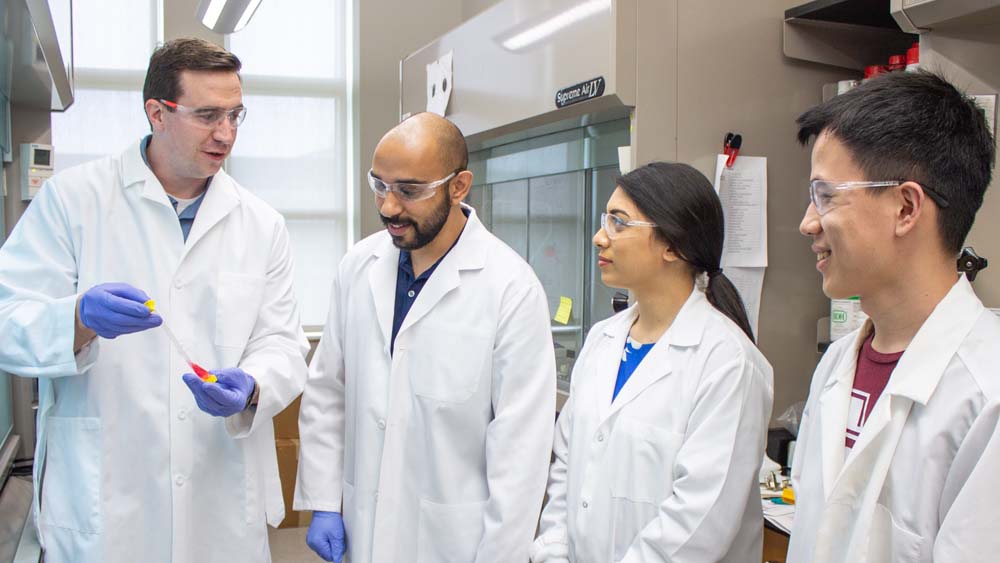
[(899, 446)]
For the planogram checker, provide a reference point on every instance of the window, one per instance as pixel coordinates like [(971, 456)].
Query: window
[(112, 41), (292, 150)]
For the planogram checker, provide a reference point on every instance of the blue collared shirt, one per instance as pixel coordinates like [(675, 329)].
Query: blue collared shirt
[(409, 287), (186, 217)]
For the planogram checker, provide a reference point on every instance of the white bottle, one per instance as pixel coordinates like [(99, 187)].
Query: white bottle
[(913, 58), (845, 316)]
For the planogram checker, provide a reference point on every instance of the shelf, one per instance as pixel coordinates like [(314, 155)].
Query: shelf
[(844, 33), (858, 12), (947, 15)]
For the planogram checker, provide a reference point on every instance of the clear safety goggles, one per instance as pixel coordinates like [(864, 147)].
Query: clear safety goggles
[(823, 193), (208, 118), (615, 226), (407, 191)]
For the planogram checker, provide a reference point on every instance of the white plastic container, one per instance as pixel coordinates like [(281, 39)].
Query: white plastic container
[(846, 86), (845, 316)]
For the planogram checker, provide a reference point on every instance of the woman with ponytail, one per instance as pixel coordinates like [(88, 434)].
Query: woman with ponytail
[(658, 447)]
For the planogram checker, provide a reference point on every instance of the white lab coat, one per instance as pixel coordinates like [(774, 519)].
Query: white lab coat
[(920, 483), (668, 471), (440, 450), (129, 468)]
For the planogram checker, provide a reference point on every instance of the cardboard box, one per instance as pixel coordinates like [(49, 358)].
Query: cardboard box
[(286, 422), (288, 465)]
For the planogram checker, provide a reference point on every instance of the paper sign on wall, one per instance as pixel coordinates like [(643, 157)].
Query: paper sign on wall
[(742, 190), (439, 84)]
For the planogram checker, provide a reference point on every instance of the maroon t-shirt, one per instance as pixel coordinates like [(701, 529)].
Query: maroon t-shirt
[(870, 379)]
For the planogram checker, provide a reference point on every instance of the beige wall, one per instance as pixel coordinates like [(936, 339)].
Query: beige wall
[(969, 59), (473, 7), (388, 31)]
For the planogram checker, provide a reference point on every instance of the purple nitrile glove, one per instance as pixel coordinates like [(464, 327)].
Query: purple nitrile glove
[(326, 536), (114, 309), (227, 396)]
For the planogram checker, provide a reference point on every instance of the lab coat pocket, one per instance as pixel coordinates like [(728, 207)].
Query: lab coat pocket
[(450, 375), (449, 533), (642, 477), (238, 302), (891, 541), (643, 457), (71, 484)]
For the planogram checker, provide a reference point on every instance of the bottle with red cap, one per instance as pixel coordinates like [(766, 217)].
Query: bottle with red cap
[(913, 58), (871, 71), (897, 62)]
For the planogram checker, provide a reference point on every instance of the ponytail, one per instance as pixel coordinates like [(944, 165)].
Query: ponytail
[(724, 296)]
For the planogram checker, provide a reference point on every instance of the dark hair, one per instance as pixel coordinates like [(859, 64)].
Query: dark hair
[(914, 126), (688, 215), (177, 55)]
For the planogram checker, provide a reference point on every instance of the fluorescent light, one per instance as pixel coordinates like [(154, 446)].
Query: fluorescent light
[(557, 22), (213, 12), (247, 14)]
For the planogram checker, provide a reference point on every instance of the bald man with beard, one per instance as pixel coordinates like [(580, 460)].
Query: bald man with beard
[(428, 414)]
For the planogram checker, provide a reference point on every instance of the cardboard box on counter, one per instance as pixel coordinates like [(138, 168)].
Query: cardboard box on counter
[(288, 464), (286, 422)]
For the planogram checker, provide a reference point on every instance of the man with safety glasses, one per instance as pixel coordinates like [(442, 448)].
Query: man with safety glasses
[(899, 446), (428, 414), (136, 459)]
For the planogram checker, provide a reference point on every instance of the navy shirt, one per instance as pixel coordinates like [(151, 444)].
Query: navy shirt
[(631, 358), (186, 217), (409, 287)]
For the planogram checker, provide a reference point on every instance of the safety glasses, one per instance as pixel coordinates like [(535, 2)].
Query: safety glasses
[(823, 193), (615, 226), (208, 118), (407, 191)]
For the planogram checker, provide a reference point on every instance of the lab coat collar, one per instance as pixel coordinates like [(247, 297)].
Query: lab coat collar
[(923, 363), (220, 198), (914, 380), (469, 253), (136, 173), (687, 330)]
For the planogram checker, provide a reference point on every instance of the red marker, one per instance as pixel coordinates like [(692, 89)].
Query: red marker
[(734, 150)]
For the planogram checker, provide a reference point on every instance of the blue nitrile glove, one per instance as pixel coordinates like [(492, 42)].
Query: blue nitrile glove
[(114, 309), (229, 395), (326, 536)]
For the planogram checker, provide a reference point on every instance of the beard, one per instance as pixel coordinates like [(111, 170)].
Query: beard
[(423, 232)]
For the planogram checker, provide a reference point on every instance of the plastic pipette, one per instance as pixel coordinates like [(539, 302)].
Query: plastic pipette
[(201, 372)]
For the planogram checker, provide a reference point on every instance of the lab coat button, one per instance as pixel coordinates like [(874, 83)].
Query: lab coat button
[(410, 293), (181, 415), (381, 424), (376, 497), (585, 504), (600, 437), (178, 284), (179, 480)]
